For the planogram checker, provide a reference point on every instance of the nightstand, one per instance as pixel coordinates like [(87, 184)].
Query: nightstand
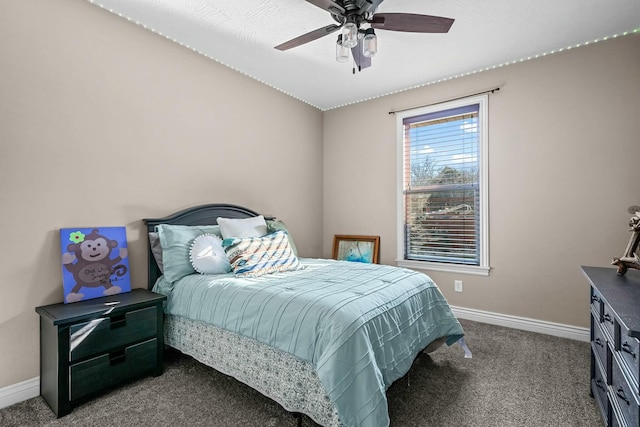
[(89, 346)]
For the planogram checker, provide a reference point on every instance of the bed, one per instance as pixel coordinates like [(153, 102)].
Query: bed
[(323, 338)]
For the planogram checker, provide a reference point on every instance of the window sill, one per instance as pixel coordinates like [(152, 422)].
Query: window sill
[(448, 268)]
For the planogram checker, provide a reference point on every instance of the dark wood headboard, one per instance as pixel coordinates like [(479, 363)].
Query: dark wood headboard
[(197, 215)]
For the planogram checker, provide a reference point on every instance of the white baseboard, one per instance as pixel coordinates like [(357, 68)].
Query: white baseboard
[(523, 323), (31, 388), (19, 392)]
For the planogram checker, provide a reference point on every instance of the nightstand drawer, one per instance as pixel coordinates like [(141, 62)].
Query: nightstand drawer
[(625, 396), (107, 333), (110, 369)]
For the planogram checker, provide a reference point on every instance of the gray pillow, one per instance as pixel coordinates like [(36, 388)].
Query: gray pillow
[(156, 249), (274, 225)]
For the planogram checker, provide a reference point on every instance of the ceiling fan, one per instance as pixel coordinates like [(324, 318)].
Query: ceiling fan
[(351, 15)]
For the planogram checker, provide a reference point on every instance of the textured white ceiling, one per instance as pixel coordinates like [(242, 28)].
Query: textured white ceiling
[(241, 34)]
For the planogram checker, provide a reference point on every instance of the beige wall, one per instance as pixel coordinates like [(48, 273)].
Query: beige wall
[(563, 169), (104, 123)]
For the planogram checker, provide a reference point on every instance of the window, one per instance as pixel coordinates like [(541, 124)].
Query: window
[(442, 199)]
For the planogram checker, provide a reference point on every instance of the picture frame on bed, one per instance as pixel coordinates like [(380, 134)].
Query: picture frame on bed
[(356, 248)]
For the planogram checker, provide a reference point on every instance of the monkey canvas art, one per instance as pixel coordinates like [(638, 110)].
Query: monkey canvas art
[(94, 262)]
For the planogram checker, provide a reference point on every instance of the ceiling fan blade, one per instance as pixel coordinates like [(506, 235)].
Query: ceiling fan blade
[(411, 22), (361, 61), (309, 37), (328, 5)]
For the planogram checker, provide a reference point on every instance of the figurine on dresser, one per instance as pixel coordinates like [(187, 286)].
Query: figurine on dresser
[(630, 259)]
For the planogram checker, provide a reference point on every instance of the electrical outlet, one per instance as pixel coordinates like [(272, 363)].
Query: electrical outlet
[(457, 285)]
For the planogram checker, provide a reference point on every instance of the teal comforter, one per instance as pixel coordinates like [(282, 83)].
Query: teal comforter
[(361, 325)]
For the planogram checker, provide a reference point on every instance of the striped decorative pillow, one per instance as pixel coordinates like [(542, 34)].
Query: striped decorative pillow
[(257, 256)]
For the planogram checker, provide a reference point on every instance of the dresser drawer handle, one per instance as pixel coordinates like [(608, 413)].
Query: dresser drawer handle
[(597, 341), (607, 318), (627, 349), (621, 395), (599, 384), (595, 299)]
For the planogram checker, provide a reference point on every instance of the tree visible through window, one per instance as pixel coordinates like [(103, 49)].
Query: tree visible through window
[(443, 183)]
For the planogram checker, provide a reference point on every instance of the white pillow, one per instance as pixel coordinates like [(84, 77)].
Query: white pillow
[(207, 255), (242, 227)]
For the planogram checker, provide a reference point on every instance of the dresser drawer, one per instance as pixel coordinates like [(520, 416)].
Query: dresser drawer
[(599, 342), (628, 348), (608, 320), (110, 369), (625, 396), (597, 303), (599, 389), (617, 420), (101, 335)]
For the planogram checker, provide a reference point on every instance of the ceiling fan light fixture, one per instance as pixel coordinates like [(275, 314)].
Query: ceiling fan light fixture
[(370, 43), (350, 15), (350, 35), (342, 52)]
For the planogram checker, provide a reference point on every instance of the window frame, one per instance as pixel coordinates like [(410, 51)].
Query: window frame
[(483, 164)]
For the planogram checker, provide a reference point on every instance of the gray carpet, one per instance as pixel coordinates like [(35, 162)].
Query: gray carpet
[(515, 378)]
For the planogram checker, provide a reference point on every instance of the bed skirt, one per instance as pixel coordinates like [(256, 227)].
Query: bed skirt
[(282, 377)]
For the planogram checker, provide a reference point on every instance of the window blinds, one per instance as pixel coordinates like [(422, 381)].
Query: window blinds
[(441, 186)]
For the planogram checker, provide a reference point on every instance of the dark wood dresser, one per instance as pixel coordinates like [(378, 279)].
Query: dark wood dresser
[(615, 344), (88, 346)]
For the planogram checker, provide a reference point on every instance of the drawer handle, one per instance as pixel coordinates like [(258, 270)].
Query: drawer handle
[(595, 299), (118, 321), (597, 341), (627, 349), (599, 384), (117, 357), (607, 318), (621, 395)]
